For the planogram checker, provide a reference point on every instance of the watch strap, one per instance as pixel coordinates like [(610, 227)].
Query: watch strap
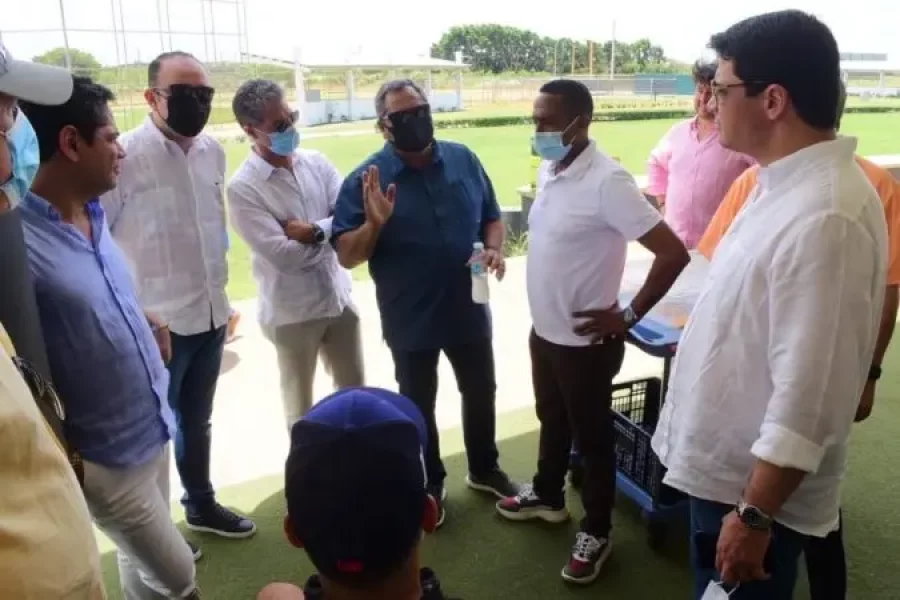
[(753, 517)]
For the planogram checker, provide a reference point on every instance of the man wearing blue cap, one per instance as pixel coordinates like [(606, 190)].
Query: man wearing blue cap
[(357, 503)]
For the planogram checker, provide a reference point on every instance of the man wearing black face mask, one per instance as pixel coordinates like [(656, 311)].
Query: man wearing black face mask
[(418, 248), (168, 215)]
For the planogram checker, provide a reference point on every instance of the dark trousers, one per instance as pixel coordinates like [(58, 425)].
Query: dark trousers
[(193, 373), (826, 566), (473, 364), (573, 394), (781, 560)]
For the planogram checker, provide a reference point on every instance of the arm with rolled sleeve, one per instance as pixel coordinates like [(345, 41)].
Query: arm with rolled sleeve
[(823, 320), (493, 231), (658, 168), (265, 235)]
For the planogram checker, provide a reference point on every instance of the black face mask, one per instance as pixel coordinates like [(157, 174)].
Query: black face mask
[(413, 129), (189, 108)]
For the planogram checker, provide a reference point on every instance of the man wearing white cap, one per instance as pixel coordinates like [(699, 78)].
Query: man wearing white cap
[(47, 546)]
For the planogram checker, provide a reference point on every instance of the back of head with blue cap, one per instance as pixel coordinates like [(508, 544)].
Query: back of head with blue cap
[(355, 485)]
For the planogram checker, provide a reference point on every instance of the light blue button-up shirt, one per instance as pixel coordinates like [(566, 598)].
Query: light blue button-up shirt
[(103, 358)]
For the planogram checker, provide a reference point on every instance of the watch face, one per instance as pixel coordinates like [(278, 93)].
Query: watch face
[(754, 519)]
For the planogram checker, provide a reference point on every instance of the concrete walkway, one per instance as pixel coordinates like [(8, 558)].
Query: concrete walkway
[(250, 438)]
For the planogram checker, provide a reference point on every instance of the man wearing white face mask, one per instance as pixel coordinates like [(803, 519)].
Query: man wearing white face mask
[(587, 210), (281, 201)]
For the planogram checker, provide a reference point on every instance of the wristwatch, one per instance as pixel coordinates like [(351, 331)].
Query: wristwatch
[(753, 517), (629, 317), (874, 372), (318, 234)]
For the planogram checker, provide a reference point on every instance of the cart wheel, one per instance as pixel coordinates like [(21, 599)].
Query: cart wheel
[(657, 532), (576, 476)]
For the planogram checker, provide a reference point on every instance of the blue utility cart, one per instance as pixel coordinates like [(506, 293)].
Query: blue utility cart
[(636, 404)]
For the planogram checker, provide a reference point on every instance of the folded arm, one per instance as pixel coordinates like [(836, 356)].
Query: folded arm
[(266, 236)]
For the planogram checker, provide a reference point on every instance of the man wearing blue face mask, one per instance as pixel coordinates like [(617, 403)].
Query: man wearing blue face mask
[(22, 147), (281, 201), (587, 210)]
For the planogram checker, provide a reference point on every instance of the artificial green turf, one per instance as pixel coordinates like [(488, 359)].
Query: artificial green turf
[(480, 557), (505, 153)]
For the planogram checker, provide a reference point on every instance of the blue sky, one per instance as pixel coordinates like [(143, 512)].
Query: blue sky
[(331, 30)]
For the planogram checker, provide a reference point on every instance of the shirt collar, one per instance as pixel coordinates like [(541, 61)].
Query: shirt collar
[(581, 164), (259, 163), (40, 206), (395, 164), (842, 148), (156, 134)]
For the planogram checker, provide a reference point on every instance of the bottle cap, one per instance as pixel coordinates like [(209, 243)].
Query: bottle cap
[(478, 246)]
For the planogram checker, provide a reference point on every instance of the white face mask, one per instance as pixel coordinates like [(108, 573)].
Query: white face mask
[(716, 591)]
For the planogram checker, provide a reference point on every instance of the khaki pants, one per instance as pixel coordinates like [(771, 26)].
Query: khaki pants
[(132, 507), (299, 345)]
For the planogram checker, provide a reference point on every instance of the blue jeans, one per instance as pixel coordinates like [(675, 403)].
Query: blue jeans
[(193, 372), (780, 563)]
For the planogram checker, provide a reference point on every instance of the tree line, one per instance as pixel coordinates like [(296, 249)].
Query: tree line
[(500, 48)]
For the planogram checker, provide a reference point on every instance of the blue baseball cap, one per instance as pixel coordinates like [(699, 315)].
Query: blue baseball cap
[(355, 483)]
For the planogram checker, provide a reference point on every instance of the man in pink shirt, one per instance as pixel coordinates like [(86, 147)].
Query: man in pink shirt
[(690, 172)]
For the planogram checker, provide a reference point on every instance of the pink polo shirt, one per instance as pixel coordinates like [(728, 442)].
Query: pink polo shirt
[(694, 175)]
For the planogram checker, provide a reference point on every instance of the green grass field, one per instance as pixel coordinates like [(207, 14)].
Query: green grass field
[(506, 156)]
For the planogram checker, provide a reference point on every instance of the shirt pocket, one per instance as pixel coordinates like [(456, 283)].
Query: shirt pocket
[(465, 202)]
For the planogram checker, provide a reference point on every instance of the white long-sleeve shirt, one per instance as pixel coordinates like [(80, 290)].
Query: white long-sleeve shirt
[(775, 355), (297, 282), (168, 214)]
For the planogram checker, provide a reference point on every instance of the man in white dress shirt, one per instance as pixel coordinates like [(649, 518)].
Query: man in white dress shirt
[(168, 215), (775, 355), (281, 200)]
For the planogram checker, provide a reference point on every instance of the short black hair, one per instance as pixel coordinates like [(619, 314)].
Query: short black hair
[(156, 65), (792, 49), (576, 97), (704, 72), (87, 110)]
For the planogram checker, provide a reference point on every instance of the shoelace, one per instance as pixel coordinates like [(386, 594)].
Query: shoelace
[(585, 546), (526, 494)]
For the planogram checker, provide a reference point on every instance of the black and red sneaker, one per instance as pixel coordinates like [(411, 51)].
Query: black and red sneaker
[(526, 506), (588, 555)]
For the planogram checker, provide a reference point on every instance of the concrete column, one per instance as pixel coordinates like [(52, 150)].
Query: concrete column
[(429, 86), (351, 94), (459, 90), (300, 89)]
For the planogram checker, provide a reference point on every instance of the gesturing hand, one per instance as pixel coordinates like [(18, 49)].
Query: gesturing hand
[(378, 204)]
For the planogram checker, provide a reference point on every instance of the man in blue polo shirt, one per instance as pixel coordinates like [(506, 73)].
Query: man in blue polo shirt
[(413, 211)]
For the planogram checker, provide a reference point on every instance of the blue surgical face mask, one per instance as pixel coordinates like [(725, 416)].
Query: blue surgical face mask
[(549, 144), (283, 143), (26, 158)]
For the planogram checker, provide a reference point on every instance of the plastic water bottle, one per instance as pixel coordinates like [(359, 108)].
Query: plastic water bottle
[(481, 293)]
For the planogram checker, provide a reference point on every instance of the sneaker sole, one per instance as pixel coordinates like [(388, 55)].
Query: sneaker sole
[(598, 566), (550, 516), (231, 535), (484, 488)]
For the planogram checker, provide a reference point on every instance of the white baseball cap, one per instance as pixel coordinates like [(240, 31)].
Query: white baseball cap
[(33, 82)]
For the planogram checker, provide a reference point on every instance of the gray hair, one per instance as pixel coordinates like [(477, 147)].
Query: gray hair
[(395, 85), (252, 98)]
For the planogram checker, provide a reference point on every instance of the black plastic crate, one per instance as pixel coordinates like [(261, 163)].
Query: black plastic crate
[(635, 411)]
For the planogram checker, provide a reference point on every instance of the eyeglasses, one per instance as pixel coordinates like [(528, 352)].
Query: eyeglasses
[(202, 93), (285, 124), (720, 90)]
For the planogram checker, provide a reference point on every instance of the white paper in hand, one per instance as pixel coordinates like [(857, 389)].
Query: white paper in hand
[(716, 591)]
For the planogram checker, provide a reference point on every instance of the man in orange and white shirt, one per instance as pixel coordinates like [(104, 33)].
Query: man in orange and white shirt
[(825, 560)]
